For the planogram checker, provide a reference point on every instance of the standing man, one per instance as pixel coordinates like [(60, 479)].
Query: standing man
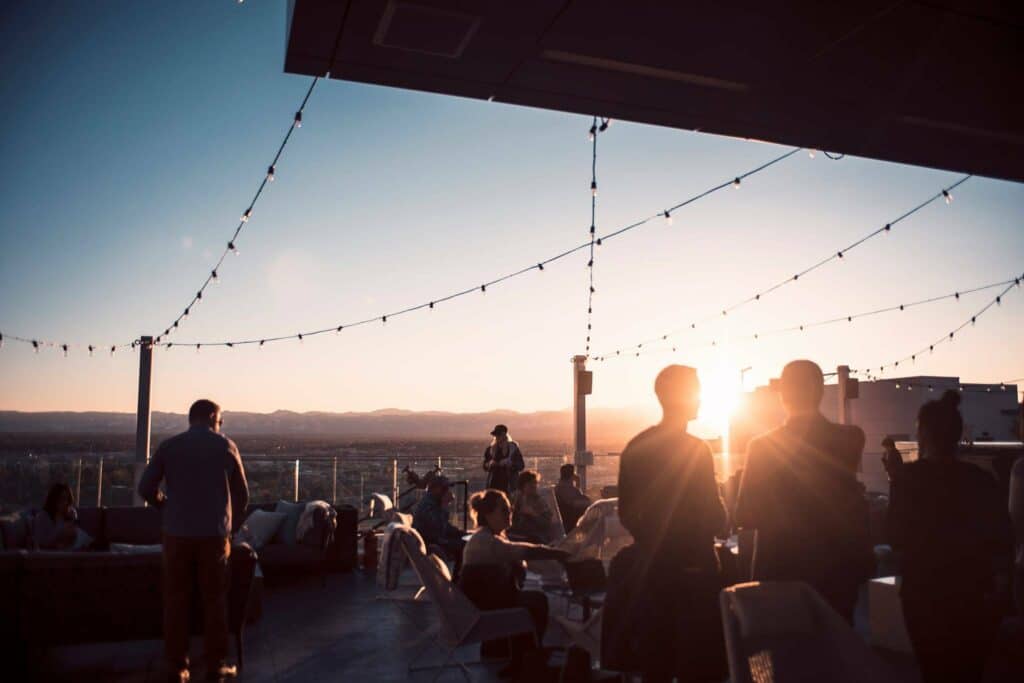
[(800, 492), (668, 580), (206, 490), (503, 461)]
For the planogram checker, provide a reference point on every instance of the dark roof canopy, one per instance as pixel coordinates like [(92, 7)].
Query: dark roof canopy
[(927, 83)]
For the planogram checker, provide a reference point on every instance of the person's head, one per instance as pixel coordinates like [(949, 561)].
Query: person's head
[(528, 481), (205, 413), (678, 391), (940, 426), (888, 444), (567, 472), (500, 434), (801, 386), (491, 509), (58, 499)]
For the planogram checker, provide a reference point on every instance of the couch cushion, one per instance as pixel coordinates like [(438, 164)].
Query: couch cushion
[(261, 526), (281, 555), (286, 534), (135, 525)]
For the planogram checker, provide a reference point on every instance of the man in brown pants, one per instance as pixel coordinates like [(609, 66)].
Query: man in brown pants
[(205, 490)]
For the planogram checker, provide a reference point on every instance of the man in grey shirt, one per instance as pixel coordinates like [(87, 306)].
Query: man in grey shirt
[(206, 491)]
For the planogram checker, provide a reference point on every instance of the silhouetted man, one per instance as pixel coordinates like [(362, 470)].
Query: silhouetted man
[(800, 492), (572, 502), (430, 518), (205, 490), (668, 500)]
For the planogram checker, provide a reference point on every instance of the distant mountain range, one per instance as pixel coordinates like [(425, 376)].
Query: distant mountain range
[(604, 426)]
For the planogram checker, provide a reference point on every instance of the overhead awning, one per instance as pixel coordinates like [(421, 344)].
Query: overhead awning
[(935, 84)]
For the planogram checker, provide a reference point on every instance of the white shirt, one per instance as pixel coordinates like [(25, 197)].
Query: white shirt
[(484, 547)]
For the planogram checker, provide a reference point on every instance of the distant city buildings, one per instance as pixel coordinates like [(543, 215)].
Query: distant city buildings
[(888, 408)]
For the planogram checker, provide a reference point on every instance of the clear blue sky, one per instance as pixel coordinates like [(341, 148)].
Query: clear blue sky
[(134, 134)]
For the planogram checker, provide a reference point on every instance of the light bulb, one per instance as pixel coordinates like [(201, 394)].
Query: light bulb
[(246, 215), (213, 275), (593, 188), (298, 119), (592, 133), (736, 183), (668, 217), (35, 346), (810, 153), (270, 173), (947, 196), (233, 249)]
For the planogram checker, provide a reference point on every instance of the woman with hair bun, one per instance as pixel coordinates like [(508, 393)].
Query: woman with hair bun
[(947, 518), (493, 566)]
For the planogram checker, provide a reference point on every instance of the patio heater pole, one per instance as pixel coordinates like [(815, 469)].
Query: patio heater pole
[(843, 376), (142, 415), (582, 380)]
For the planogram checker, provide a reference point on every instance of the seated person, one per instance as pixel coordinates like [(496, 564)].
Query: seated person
[(572, 502), (56, 525), (430, 518), (531, 516), (494, 567)]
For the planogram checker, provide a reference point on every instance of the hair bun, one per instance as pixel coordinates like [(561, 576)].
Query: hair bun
[(951, 399)]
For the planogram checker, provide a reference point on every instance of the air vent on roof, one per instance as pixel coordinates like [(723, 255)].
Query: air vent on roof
[(438, 32)]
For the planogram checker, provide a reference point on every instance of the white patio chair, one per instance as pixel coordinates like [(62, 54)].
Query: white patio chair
[(784, 631), (461, 623)]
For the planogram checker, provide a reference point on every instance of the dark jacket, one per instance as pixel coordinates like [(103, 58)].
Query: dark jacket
[(800, 491), (205, 484), (503, 471), (431, 520)]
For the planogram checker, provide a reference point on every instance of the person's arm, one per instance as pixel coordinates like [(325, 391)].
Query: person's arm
[(517, 463), (149, 483), (487, 459), (747, 513), (237, 485), (513, 552)]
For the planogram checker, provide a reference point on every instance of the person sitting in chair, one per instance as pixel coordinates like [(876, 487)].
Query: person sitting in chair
[(531, 516), (430, 518), (572, 502)]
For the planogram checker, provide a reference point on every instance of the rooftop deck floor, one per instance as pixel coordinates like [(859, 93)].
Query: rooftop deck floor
[(334, 632)]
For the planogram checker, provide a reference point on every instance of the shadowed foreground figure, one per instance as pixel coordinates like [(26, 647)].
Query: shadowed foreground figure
[(661, 616), (950, 523), (800, 492), (205, 490)]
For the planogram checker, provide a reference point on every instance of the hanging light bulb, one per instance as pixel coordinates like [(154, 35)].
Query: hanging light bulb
[(811, 153), (947, 196), (298, 119), (736, 183), (185, 314), (64, 348), (300, 338), (593, 188), (247, 215), (668, 217), (35, 346), (233, 249), (604, 125), (270, 173), (592, 133), (1, 341), (262, 342), (214, 276), (197, 348), (112, 349)]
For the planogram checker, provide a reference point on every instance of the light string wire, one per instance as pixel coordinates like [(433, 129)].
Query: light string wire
[(946, 193), (539, 266), (232, 243), (595, 130), (755, 336), (38, 344), (950, 336)]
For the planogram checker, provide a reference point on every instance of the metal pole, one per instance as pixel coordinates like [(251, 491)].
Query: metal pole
[(99, 485), (843, 374), (579, 411), (78, 484), (334, 485), (394, 481), (296, 480), (142, 415)]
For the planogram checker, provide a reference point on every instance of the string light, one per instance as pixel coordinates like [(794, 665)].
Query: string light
[(668, 218), (810, 153), (736, 183), (539, 266), (593, 229), (298, 119), (270, 173), (833, 256), (948, 196), (843, 318)]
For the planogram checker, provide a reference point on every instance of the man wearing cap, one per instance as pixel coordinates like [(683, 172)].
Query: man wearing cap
[(503, 461), (430, 518), (800, 492)]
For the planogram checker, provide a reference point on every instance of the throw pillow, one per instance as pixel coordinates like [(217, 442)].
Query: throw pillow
[(261, 526), (286, 534)]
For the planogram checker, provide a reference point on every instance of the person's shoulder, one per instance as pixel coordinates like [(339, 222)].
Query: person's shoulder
[(766, 439), (641, 439), (848, 434), (173, 441)]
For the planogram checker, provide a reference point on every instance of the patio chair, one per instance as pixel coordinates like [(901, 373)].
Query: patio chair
[(461, 623), (785, 631)]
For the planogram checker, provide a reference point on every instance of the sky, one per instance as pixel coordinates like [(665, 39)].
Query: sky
[(135, 133)]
